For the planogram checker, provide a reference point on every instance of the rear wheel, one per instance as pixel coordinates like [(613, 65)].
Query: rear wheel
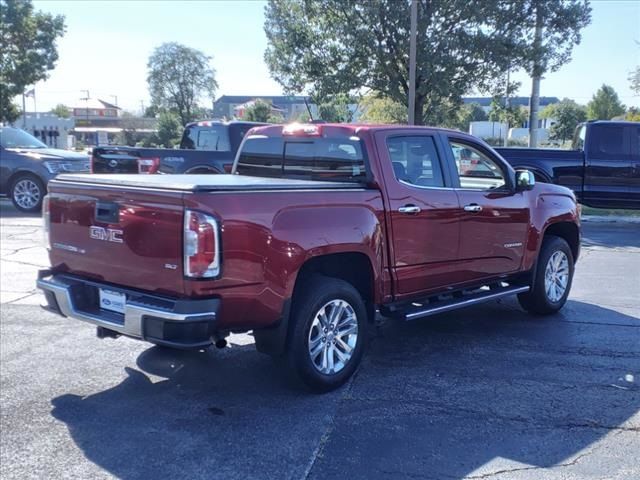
[(329, 332), (27, 193), (554, 274)]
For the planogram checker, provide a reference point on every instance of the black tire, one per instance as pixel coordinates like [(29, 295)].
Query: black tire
[(22, 201), (318, 293), (537, 300)]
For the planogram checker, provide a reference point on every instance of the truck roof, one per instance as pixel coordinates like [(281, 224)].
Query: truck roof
[(343, 128)]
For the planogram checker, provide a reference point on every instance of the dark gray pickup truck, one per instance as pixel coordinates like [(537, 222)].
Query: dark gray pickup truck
[(603, 167), (206, 147)]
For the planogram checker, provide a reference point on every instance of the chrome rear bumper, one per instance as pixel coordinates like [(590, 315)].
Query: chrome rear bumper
[(173, 322)]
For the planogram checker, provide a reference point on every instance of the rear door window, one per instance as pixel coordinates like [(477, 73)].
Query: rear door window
[(331, 159), (611, 142)]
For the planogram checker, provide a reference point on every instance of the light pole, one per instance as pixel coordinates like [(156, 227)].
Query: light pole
[(412, 62)]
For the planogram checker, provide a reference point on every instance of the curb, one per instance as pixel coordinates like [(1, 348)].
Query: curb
[(609, 219)]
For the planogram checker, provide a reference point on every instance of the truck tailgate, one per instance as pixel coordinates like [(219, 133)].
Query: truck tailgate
[(115, 235)]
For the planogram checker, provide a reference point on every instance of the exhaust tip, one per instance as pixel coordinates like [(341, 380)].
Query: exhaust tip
[(221, 343)]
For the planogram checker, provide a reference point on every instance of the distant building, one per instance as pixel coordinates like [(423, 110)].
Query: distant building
[(39, 124), (290, 106), (98, 122), (485, 103)]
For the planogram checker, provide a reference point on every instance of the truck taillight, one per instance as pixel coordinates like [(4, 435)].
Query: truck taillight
[(201, 245), (148, 165), (46, 222)]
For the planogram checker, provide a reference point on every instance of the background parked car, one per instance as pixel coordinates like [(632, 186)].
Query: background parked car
[(27, 165)]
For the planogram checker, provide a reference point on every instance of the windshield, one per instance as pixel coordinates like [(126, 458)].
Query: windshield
[(212, 138), (16, 138)]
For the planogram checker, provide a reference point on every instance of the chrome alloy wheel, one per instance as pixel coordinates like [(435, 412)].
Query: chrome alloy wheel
[(26, 193), (556, 276), (333, 337)]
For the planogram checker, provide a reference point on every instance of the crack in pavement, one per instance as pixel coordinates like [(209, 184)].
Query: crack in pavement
[(520, 469), (318, 452)]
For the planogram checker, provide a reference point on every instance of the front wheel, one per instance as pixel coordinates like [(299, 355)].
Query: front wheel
[(554, 274), (329, 333), (27, 193)]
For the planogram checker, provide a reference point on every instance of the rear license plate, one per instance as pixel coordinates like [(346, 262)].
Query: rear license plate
[(114, 301)]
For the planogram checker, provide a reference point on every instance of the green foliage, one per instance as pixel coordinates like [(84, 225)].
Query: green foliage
[(513, 115), (634, 79), (335, 109), (605, 104), (61, 111), (151, 111), (28, 50), (169, 130), (178, 77), (260, 111), (567, 114), (382, 110), (467, 113), (561, 23), (633, 115), (334, 46)]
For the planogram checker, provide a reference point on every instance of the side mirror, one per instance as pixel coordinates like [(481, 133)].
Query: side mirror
[(524, 180)]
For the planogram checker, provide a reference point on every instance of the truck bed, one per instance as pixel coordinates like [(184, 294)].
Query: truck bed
[(201, 183)]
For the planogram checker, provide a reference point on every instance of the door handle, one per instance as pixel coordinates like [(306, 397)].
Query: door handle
[(473, 207), (410, 209)]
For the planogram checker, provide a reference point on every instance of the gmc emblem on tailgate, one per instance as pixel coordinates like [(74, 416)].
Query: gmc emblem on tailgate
[(105, 234)]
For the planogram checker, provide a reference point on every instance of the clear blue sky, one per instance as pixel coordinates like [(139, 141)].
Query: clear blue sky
[(107, 44)]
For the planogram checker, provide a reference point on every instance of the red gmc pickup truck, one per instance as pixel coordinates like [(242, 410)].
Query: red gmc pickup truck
[(319, 229)]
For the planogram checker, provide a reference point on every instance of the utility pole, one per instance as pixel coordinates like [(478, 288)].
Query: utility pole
[(534, 102), (412, 62), (86, 99), (24, 112), (115, 99), (142, 108), (506, 107)]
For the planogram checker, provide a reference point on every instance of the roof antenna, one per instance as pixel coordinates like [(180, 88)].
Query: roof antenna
[(308, 109)]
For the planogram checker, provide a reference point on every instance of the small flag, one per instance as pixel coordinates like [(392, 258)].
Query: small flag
[(30, 93)]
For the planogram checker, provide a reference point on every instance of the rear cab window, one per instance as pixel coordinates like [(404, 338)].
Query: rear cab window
[(213, 138), (326, 158)]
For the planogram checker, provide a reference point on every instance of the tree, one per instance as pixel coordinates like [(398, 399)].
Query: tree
[(634, 79), (335, 46), (605, 104), (549, 31), (28, 50), (511, 115), (261, 111), (567, 115), (633, 115), (469, 112), (335, 109), (382, 110), (61, 111), (178, 77), (169, 130)]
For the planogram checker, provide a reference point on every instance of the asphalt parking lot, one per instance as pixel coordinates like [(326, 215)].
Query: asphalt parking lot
[(487, 392)]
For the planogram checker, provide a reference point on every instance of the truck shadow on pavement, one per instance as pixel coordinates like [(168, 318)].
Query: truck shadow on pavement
[(439, 398)]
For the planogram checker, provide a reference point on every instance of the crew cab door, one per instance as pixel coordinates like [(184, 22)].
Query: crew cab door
[(494, 220), (611, 179), (422, 211)]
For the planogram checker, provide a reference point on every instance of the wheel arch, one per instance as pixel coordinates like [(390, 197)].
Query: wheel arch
[(569, 232), (206, 169)]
